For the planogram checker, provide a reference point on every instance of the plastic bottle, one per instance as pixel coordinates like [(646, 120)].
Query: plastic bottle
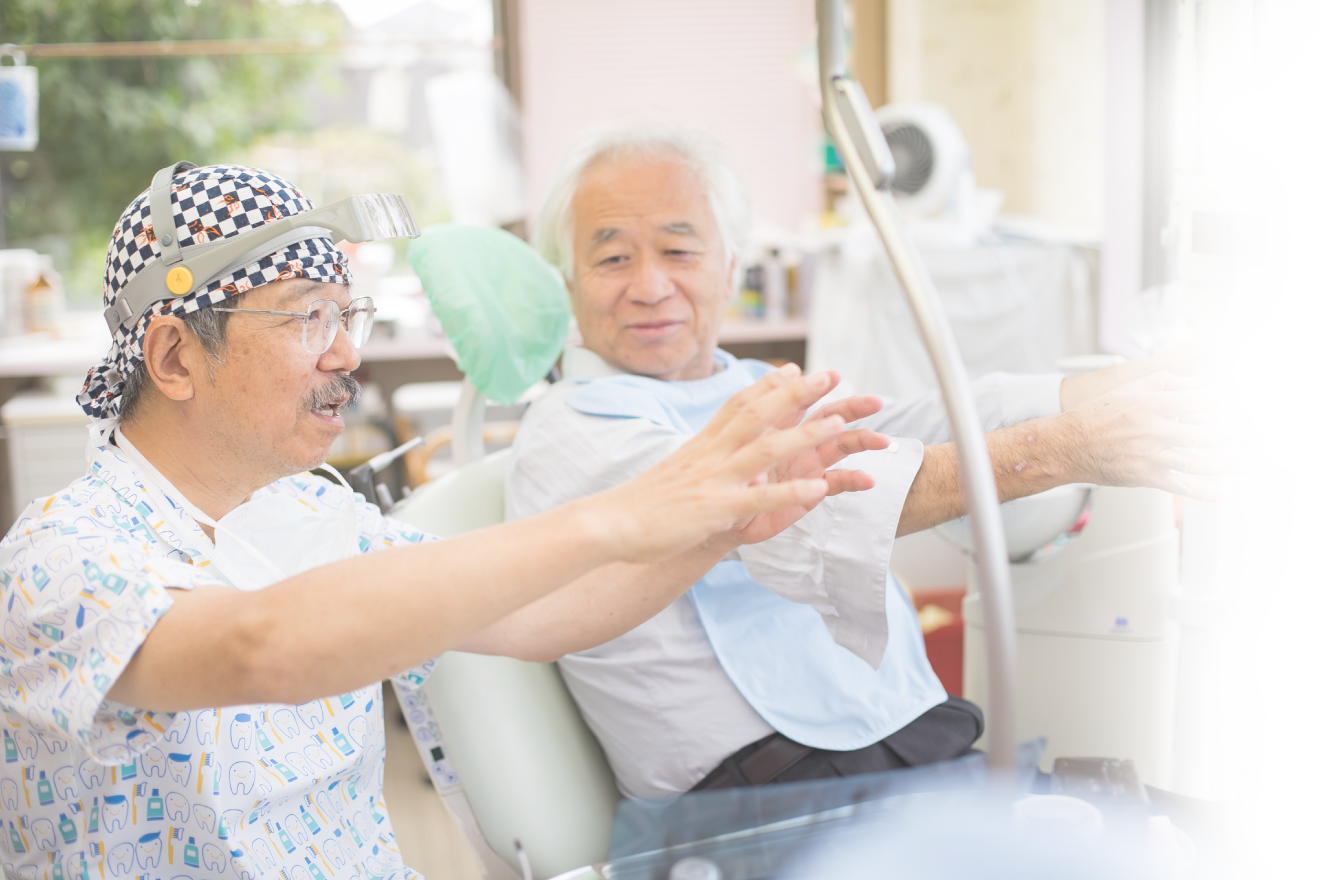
[(284, 837), (751, 299), (45, 794), (284, 771), (155, 806), (341, 741), (16, 840), (68, 830), (774, 288), (11, 749), (94, 817), (43, 303), (315, 871), (19, 269), (190, 853), (309, 820)]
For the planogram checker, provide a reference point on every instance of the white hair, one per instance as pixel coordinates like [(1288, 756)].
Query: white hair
[(728, 199)]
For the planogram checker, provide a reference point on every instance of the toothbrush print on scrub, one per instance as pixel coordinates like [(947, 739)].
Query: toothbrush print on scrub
[(99, 789)]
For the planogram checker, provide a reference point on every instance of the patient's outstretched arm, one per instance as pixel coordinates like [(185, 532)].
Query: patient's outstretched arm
[(1133, 435)]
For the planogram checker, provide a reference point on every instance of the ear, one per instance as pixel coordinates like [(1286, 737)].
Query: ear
[(170, 356), (731, 281), (574, 292)]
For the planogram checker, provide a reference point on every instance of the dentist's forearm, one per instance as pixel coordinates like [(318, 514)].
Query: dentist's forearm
[(601, 605), (342, 626)]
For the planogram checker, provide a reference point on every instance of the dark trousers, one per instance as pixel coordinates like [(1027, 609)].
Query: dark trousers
[(945, 732)]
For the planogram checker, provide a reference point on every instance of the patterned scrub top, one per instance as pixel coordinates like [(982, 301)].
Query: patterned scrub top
[(93, 789)]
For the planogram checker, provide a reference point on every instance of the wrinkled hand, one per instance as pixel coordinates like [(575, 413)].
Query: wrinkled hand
[(1152, 433), (753, 459)]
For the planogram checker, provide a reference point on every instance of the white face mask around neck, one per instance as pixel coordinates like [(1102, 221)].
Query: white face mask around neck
[(268, 538)]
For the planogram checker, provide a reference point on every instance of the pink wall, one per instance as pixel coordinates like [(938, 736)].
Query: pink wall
[(731, 67), (1120, 266)]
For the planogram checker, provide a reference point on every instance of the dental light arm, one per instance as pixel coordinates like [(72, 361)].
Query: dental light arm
[(355, 219), (851, 123)]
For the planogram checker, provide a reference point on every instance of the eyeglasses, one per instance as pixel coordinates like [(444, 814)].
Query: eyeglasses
[(322, 320)]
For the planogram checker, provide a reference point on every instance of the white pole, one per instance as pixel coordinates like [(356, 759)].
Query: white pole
[(469, 416), (851, 123)]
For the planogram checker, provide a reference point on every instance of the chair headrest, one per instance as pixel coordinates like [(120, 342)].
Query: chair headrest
[(503, 307)]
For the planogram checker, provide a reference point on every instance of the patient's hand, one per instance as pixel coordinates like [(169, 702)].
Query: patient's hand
[(815, 462), (1153, 432), (1191, 359)]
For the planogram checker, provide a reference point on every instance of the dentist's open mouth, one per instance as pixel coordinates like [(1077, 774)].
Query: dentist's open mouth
[(330, 410), (327, 400)]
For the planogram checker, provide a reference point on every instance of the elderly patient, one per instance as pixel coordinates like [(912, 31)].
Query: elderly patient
[(800, 657)]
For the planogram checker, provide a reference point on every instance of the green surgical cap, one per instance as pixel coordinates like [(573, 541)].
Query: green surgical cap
[(504, 309)]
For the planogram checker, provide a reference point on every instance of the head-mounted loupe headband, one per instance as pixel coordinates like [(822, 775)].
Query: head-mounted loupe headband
[(355, 219)]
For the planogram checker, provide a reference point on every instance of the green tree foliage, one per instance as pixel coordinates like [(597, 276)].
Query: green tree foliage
[(107, 125)]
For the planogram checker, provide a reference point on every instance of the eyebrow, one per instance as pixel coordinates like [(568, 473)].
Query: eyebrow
[(299, 291), (680, 227)]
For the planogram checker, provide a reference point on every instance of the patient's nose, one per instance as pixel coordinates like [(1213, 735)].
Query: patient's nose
[(651, 284)]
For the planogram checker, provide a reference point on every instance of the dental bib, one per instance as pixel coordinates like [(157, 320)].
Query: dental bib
[(780, 654), (263, 541)]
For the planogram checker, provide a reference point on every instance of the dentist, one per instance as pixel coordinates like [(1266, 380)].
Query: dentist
[(201, 625)]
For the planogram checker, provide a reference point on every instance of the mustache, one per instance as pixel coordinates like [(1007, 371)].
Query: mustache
[(334, 391)]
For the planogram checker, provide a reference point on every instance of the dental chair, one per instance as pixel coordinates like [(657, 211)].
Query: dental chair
[(527, 768), (502, 738)]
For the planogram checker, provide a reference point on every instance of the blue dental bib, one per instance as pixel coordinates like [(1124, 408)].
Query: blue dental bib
[(778, 653)]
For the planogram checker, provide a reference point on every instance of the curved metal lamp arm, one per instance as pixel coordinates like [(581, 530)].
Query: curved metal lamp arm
[(851, 123)]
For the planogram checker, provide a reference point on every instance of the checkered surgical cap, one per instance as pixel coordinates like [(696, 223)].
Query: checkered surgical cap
[(210, 203)]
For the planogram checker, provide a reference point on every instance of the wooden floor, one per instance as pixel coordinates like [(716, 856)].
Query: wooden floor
[(429, 839)]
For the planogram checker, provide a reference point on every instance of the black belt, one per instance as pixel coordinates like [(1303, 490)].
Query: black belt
[(945, 731), (758, 764)]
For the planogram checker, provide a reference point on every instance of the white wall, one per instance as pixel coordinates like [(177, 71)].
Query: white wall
[(1121, 262), (732, 67), (1025, 80)]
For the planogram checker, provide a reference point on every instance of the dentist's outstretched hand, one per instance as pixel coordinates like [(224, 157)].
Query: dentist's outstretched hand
[(755, 469)]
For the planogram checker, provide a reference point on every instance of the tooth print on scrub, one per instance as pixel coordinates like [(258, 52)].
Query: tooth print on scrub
[(101, 789)]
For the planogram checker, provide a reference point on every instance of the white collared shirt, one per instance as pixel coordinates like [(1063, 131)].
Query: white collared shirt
[(657, 698)]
